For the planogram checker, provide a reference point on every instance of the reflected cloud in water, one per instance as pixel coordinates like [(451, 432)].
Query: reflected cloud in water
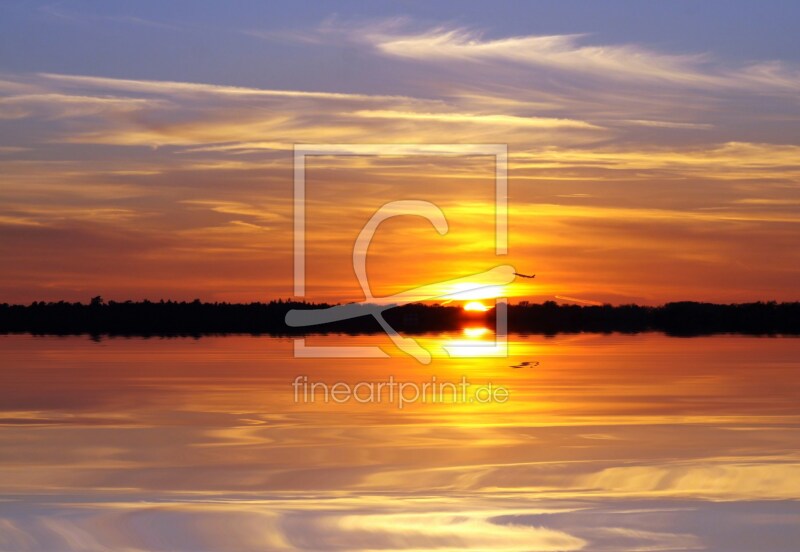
[(611, 442)]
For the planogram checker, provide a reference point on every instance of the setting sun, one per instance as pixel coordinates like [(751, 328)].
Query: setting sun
[(475, 306)]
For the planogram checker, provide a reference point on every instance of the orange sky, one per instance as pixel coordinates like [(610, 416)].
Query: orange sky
[(644, 181)]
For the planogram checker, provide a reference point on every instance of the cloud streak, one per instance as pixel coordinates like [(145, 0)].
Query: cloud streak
[(570, 53)]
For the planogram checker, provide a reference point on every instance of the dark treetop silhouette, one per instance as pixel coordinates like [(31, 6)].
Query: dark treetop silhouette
[(147, 318)]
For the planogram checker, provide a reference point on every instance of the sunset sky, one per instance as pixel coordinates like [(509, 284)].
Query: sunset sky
[(146, 149)]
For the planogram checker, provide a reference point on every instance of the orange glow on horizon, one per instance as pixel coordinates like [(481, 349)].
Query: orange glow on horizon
[(475, 306)]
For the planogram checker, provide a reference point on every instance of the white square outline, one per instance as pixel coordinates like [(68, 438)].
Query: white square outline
[(301, 151)]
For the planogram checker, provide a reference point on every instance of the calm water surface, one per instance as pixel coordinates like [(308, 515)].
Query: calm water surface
[(616, 443)]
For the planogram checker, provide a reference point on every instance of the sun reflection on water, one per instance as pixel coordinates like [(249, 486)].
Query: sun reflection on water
[(475, 332)]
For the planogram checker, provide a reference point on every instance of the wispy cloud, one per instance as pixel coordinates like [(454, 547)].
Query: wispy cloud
[(632, 87), (102, 110), (730, 160), (58, 11), (57, 105), (669, 124), (472, 118), (184, 88), (564, 52), (574, 53)]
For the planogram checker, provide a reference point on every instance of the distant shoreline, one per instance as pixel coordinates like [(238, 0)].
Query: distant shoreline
[(170, 318)]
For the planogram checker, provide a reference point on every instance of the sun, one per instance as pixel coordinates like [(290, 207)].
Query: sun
[(475, 306)]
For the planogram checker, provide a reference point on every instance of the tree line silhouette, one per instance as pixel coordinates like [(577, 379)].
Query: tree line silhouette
[(166, 318)]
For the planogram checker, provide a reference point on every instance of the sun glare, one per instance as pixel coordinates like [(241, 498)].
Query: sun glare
[(475, 333), (475, 306)]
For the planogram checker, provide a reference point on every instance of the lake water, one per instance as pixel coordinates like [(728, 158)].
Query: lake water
[(615, 443)]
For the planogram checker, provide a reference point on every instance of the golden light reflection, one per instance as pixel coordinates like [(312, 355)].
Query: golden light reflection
[(475, 332), (480, 342)]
